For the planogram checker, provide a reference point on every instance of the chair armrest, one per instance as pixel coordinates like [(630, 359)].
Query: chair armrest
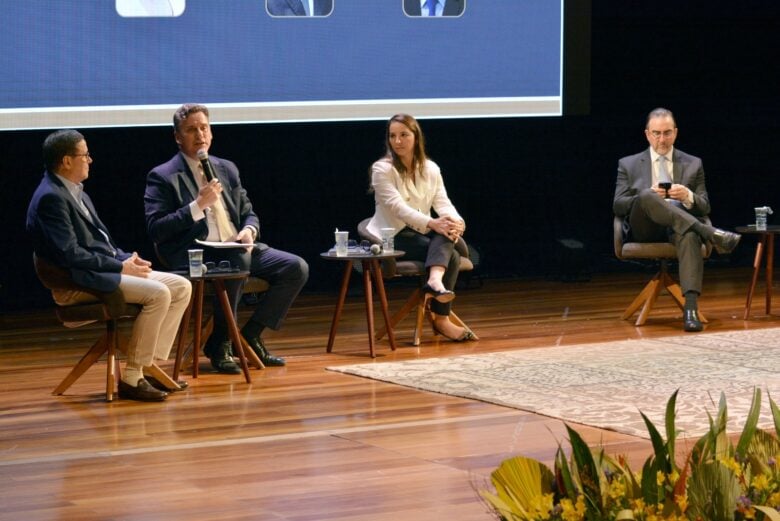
[(55, 278), (617, 236)]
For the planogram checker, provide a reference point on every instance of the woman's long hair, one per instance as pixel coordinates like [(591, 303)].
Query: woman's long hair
[(418, 157)]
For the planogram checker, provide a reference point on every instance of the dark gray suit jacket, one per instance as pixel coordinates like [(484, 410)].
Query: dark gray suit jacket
[(635, 173), (451, 7), (295, 7)]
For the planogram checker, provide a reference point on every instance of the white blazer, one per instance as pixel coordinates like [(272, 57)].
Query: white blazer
[(401, 203)]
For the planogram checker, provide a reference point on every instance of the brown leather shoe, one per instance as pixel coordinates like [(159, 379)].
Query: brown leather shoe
[(143, 392), (154, 382)]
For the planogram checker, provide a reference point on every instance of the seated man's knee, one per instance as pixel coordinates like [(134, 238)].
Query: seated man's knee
[(302, 269), (647, 195)]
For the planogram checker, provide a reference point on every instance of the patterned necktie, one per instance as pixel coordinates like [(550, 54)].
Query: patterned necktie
[(225, 229), (432, 7)]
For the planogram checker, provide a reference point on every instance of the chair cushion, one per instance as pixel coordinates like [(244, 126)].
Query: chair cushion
[(655, 250), (79, 314), (649, 250)]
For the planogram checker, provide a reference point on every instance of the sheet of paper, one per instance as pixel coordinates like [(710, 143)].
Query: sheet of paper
[(214, 244)]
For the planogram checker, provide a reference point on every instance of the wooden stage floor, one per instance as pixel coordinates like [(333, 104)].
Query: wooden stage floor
[(302, 443)]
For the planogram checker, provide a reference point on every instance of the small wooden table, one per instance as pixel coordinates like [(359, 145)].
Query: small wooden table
[(371, 270), (196, 303), (766, 242)]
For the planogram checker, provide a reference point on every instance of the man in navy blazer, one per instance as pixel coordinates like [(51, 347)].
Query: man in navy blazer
[(450, 7), (656, 214), (183, 205), (68, 233), (296, 7)]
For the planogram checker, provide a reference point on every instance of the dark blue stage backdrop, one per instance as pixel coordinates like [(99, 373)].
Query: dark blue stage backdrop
[(80, 63)]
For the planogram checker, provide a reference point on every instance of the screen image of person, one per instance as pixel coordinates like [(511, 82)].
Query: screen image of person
[(151, 8), (406, 186), (661, 193), (67, 232), (196, 196), (434, 7), (299, 7)]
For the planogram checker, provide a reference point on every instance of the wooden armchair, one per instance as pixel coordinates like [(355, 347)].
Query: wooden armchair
[(108, 308), (396, 268), (662, 252)]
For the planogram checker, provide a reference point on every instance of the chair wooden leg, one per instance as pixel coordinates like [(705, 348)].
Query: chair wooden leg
[(411, 303), (649, 294), (422, 309), (91, 356), (652, 296), (161, 376), (112, 348), (640, 299)]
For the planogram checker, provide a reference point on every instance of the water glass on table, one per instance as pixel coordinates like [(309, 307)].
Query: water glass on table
[(341, 243)]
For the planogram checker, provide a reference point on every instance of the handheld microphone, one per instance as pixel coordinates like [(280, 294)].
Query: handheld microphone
[(208, 168)]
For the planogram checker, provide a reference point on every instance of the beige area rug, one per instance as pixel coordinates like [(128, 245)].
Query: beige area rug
[(606, 385)]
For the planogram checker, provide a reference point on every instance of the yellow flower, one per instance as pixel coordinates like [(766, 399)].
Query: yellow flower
[(581, 505), (732, 464), (617, 489), (541, 506), (760, 482), (572, 512), (773, 500), (682, 502), (660, 477)]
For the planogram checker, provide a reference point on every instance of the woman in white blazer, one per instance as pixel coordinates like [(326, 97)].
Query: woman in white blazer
[(406, 186)]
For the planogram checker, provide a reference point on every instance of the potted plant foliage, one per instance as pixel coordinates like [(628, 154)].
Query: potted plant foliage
[(718, 481)]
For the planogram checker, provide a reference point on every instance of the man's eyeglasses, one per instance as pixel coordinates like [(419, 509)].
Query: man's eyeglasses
[(85, 154), (666, 133)]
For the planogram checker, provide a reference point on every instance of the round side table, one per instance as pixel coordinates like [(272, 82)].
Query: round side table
[(371, 270), (196, 304), (766, 243)]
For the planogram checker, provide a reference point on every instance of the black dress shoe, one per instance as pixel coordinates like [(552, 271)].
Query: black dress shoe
[(143, 392), (724, 241), (256, 343), (221, 359), (442, 296), (691, 321), (157, 384)]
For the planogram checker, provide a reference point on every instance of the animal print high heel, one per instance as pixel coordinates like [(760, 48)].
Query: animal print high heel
[(467, 335)]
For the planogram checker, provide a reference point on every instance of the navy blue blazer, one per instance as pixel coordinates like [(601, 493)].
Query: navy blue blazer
[(65, 236), (295, 7), (170, 188), (451, 7)]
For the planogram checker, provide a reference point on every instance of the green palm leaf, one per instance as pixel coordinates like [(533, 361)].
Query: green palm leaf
[(750, 423)]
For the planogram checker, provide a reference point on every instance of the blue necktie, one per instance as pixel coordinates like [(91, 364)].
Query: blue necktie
[(432, 7)]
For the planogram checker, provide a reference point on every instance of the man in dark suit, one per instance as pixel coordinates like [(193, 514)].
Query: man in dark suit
[(655, 213), (439, 7), (183, 205), (299, 7), (68, 233)]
